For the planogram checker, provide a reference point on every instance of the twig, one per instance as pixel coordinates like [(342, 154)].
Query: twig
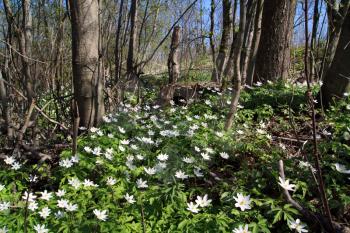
[(311, 102)]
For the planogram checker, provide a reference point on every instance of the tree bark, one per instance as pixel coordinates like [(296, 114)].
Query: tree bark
[(337, 78), (336, 16), (273, 58), (117, 54), (237, 79), (173, 60), (130, 68), (255, 42), (85, 52), (211, 38), (228, 72), (225, 37)]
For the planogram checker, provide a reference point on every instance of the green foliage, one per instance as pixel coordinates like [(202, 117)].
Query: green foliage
[(242, 160)]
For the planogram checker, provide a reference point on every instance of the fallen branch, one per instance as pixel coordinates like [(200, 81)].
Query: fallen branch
[(310, 216)]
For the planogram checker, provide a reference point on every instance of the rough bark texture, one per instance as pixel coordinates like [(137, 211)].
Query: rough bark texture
[(225, 38), (85, 47), (255, 42), (273, 58), (117, 54), (173, 60), (211, 38), (237, 79), (229, 64), (336, 17), (337, 78), (132, 38)]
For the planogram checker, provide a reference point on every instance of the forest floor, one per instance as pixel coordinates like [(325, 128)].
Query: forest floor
[(174, 169)]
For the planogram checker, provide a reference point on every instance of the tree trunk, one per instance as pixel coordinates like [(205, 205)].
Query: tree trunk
[(237, 79), (173, 60), (273, 58), (117, 53), (337, 81), (230, 61), (85, 59), (336, 17), (211, 38), (225, 37), (132, 38), (255, 42)]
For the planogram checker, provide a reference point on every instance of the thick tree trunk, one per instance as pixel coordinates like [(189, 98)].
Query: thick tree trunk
[(132, 38), (173, 60), (273, 58), (336, 16), (225, 37), (337, 81), (85, 47)]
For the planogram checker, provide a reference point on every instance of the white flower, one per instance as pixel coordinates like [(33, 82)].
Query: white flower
[(124, 142), (71, 207), (197, 172), (75, 182), (188, 160), (141, 183), (150, 170), (3, 230), (242, 202), (285, 184), (46, 195), (224, 155), (129, 198), (203, 201), (219, 134), (89, 183), (45, 212), (74, 159), (97, 151), (30, 197), (59, 214), (162, 157), (209, 150), (101, 214), (63, 203), (341, 168), (111, 181), (298, 226), (192, 207), (4, 206), (140, 157), (33, 206), (181, 175), (121, 130), (197, 149), (40, 229), (93, 130), (9, 160), (205, 156), (134, 147), (87, 149), (121, 148), (60, 193), (16, 166), (240, 229), (240, 132)]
